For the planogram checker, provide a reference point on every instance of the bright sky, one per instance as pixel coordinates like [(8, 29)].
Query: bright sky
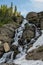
[(25, 6)]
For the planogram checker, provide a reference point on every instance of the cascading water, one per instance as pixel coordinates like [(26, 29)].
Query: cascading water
[(19, 32), (18, 35)]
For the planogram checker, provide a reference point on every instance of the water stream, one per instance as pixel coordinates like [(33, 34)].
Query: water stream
[(18, 35)]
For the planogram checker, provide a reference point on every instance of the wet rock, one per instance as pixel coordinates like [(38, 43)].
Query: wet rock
[(6, 47), (29, 32), (28, 35), (1, 50), (15, 49), (21, 41)]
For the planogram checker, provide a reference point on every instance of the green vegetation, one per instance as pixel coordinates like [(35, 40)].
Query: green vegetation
[(6, 14)]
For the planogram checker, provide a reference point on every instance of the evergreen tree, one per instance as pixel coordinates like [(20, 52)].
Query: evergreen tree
[(11, 8), (15, 9)]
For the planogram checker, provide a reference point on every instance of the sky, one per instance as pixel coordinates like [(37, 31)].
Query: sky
[(25, 6)]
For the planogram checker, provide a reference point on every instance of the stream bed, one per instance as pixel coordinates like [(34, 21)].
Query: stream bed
[(19, 31)]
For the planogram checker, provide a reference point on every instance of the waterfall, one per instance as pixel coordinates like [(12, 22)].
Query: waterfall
[(18, 35), (6, 56), (19, 32)]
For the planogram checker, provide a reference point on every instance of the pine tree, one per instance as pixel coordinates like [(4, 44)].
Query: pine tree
[(11, 8), (15, 9)]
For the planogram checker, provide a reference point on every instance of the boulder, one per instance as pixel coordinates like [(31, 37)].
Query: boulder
[(28, 35), (32, 17), (6, 47), (35, 18)]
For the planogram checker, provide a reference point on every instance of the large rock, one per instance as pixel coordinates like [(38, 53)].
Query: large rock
[(32, 14), (36, 18), (6, 47), (32, 17)]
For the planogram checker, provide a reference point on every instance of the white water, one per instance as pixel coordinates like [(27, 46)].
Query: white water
[(5, 57), (22, 60), (19, 31)]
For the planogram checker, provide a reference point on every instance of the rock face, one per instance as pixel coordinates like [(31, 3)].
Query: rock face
[(35, 18)]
